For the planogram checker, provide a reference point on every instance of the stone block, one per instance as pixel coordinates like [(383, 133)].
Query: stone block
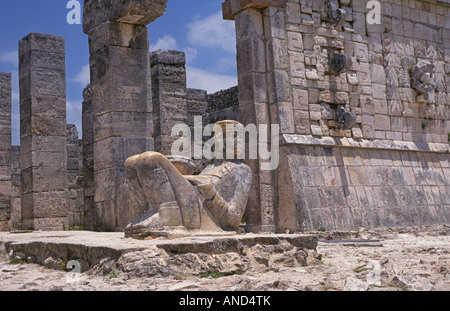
[(112, 152), (118, 67), (118, 34), (279, 89), (40, 179), (251, 54), (277, 55), (50, 204), (286, 118), (117, 124), (252, 88), (42, 42), (43, 126), (43, 106), (138, 12), (382, 122), (42, 82), (301, 99)]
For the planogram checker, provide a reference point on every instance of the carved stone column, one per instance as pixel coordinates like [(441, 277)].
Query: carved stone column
[(258, 105), (121, 96), (43, 133)]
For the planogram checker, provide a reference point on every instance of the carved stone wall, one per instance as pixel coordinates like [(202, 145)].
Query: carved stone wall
[(322, 72)]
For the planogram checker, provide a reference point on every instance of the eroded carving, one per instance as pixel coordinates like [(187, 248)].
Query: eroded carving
[(346, 120), (339, 63), (336, 15), (422, 80)]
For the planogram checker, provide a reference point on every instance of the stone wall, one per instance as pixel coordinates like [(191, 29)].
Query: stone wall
[(224, 105), (376, 87)]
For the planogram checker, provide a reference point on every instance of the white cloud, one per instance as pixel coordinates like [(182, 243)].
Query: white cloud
[(84, 76), (165, 43), (73, 106), (211, 82), (11, 58), (213, 31), (191, 54)]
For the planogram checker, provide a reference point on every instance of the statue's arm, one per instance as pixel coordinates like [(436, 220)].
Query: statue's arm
[(229, 213)]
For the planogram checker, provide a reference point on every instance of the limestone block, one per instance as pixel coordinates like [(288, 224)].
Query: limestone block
[(50, 204), (117, 66), (302, 124), (382, 122), (42, 143), (116, 124), (43, 126), (42, 42), (43, 159), (301, 99), (118, 34), (112, 152), (277, 54), (279, 87), (251, 54), (297, 65), (252, 88), (97, 12), (39, 179), (286, 118)]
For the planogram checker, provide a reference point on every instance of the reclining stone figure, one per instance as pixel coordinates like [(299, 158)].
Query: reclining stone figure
[(214, 200)]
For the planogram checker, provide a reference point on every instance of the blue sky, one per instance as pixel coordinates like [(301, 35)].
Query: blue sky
[(193, 26)]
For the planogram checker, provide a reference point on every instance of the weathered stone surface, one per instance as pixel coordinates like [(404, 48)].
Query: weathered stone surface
[(43, 132), (119, 105), (170, 103), (306, 52), (97, 12), (5, 150), (103, 252)]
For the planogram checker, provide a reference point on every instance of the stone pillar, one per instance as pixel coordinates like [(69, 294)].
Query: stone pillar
[(73, 153), (16, 208), (88, 159), (5, 150), (121, 97), (43, 134), (197, 105), (255, 98), (169, 96)]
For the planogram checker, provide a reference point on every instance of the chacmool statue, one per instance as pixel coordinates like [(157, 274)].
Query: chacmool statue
[(173, 199)]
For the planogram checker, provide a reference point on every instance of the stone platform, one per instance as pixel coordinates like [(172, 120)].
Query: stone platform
[(91, 248)]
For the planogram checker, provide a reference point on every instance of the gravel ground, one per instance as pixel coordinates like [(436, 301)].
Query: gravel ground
[(405, 259)]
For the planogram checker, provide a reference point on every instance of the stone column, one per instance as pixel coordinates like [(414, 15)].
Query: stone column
[(169, 96), (16, 186), (73, 153), (43, 134), (5, 150), (121, 96), (255, 98), (88, 159)]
